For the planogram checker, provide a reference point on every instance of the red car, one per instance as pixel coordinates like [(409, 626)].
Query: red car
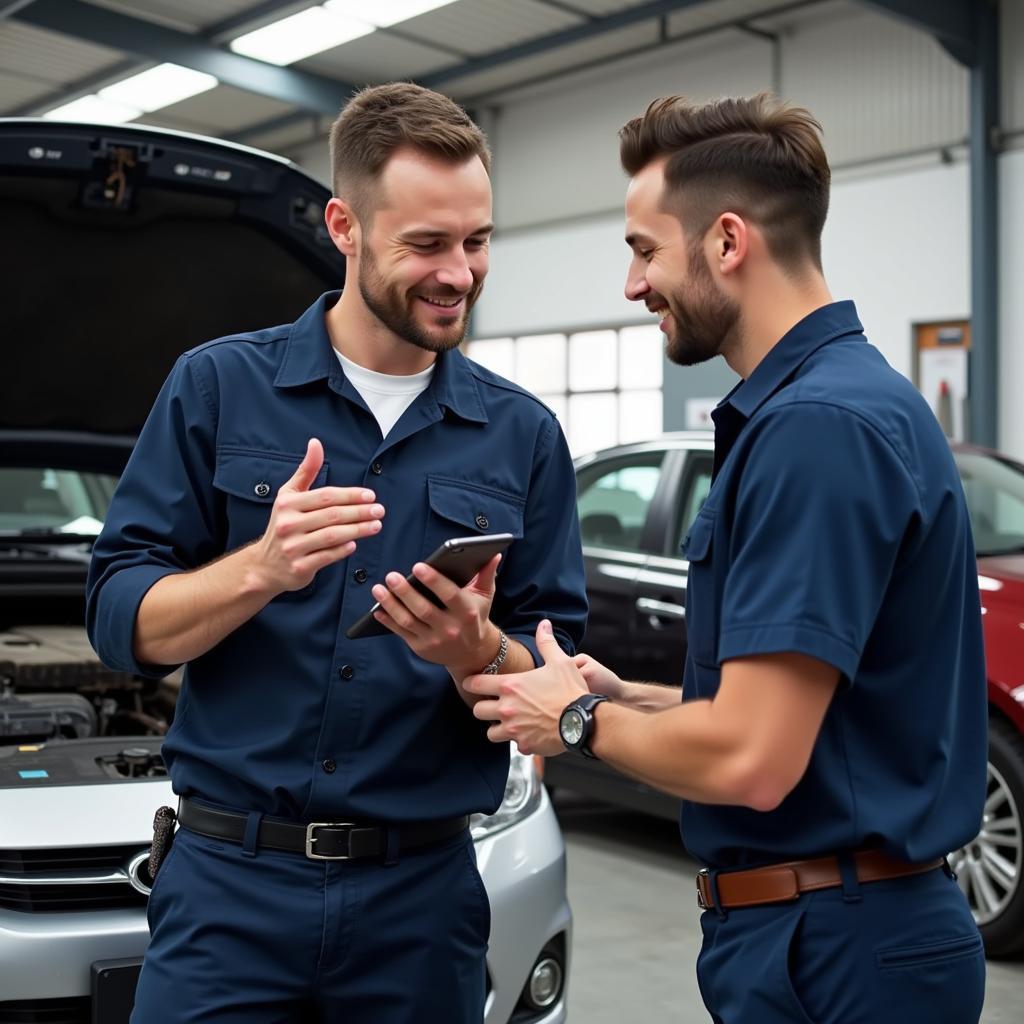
[(635, 504)]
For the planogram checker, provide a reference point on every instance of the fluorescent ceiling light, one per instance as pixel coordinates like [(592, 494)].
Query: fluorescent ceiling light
[(95, 109), (301, 35), (158, 87), (385, 12)]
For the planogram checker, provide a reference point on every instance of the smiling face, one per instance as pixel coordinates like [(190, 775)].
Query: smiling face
[(670, 275), (424, 254)]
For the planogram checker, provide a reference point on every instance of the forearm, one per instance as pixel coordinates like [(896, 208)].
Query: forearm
[(683, 750), (186, 614), (647, 697)]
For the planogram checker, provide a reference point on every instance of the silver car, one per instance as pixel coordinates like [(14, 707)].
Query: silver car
[(105, 222)]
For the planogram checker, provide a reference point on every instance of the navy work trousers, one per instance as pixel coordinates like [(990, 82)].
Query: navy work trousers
[(882, 953), (276, 938)]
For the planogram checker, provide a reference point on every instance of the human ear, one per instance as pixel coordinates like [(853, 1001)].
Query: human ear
[(343, 226), (731, 242)]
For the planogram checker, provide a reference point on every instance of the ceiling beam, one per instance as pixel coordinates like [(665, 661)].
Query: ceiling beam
[(953, 23), (564, 37), (143, 39)]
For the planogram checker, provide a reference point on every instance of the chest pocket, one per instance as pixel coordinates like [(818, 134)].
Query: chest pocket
[(249, 481), (701, 595), (462, 509)]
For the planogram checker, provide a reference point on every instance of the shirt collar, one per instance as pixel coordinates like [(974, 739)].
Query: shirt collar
[(309, 356), (824, 325)]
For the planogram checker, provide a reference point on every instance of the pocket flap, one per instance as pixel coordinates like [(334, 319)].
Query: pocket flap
[(257, 475), (697, 543), (479, 510)]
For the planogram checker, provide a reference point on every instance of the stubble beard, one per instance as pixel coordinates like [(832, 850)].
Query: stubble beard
[(392, 308), (704, 320)]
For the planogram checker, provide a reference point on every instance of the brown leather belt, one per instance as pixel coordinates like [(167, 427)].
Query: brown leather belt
[(782, 883)]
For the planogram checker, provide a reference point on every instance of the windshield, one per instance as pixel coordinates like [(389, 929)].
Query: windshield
[(44, 500), (995, 500)]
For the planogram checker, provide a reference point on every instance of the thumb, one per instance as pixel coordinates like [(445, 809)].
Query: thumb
[(304, 476), (483, 582), (548, 645)]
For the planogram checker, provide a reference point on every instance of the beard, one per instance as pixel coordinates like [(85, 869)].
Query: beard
[(394, 309), (704, 320)]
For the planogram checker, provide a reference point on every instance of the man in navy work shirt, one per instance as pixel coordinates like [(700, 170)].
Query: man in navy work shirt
[(280, 474), (830, 747)]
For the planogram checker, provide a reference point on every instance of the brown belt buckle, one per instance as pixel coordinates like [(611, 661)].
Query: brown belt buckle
[(701, 902)]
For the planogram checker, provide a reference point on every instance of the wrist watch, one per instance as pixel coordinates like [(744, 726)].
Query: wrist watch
[(576, 723), (499, 659)]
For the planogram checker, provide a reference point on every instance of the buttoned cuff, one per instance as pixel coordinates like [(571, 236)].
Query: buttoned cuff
[(117, 609), (775, 638)]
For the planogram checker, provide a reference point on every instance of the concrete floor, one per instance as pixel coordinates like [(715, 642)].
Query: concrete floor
[(637, 929)]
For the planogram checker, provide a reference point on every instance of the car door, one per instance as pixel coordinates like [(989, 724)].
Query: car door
[(615, 494), (659, 616)]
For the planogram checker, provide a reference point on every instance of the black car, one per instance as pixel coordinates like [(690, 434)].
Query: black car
[(636, 503)]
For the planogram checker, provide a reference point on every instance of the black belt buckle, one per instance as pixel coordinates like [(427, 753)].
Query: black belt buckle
[(311, 839)]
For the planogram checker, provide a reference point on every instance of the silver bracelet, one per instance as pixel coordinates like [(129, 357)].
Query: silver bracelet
[(499, 658)]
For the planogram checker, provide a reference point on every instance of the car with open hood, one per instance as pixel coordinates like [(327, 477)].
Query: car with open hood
[(126, 246)]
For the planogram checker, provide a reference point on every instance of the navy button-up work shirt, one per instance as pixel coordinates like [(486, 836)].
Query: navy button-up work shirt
[(286, 715), (836, 527)]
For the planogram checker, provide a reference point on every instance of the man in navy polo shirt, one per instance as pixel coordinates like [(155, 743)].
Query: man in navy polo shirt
[(830, 747), (280, 474)]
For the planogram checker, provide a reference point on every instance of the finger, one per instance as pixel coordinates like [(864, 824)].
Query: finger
[(310, 465), (329, 537), (486, 711), (389, 623), (324, 497), (324, 557), (447, 590), (547, 645), (398, 612), (484, 579), (333, 515), (498, 733), (487, 686), (581, 660), (424, 609)]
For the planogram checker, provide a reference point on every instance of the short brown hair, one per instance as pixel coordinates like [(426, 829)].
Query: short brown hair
[(757, 156), (381, 119)]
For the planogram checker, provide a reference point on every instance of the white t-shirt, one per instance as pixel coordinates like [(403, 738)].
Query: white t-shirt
[(387, 395)]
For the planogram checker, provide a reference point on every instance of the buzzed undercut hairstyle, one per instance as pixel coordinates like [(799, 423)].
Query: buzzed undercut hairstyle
[(754, 156), (381, 119)]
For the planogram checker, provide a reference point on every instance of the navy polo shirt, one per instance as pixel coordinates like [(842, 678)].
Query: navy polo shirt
[(836, 527), (286, 715)]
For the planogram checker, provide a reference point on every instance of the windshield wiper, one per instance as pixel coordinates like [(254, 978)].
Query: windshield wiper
[(45, 535)]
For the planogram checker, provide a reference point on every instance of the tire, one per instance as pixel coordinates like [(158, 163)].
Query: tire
[(990, 870)]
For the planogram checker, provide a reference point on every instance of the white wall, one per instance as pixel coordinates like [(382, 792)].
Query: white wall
[(1011, 305)]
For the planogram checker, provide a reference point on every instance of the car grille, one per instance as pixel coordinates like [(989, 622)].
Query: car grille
[(46, 1011), (77, 878)]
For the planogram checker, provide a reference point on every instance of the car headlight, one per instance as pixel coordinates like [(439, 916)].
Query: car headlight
[(522, 796)]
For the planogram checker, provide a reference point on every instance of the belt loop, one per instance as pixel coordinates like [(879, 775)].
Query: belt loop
[(723, 914), (252, 832), (391, 850), (848, 873), (948, 869)]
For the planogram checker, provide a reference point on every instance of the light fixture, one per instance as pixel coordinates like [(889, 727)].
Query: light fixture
[(158, 87), (301, 35), (94, 109), (385, 12)]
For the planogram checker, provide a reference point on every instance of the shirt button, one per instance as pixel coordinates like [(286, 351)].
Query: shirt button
[(360, 575), (262, 489), (483, 522), (376, 469), (329, 766), (346, 672)]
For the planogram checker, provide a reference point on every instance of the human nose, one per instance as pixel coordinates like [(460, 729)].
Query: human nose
[(636, 283), (456, 272)]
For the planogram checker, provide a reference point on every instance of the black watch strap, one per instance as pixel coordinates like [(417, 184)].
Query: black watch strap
[(584, 705)]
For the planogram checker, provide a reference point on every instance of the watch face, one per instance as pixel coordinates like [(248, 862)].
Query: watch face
[(572, 727)]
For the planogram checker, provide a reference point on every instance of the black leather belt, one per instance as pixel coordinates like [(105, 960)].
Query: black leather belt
[(318, 840)]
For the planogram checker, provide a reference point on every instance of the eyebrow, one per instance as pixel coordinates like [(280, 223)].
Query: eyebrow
[(632, 240), (486, 229)]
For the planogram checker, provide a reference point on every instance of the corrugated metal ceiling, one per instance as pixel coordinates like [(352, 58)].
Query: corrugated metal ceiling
[(470, 48)]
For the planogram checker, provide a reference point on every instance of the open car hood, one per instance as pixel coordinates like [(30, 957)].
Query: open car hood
[(124, 247)]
